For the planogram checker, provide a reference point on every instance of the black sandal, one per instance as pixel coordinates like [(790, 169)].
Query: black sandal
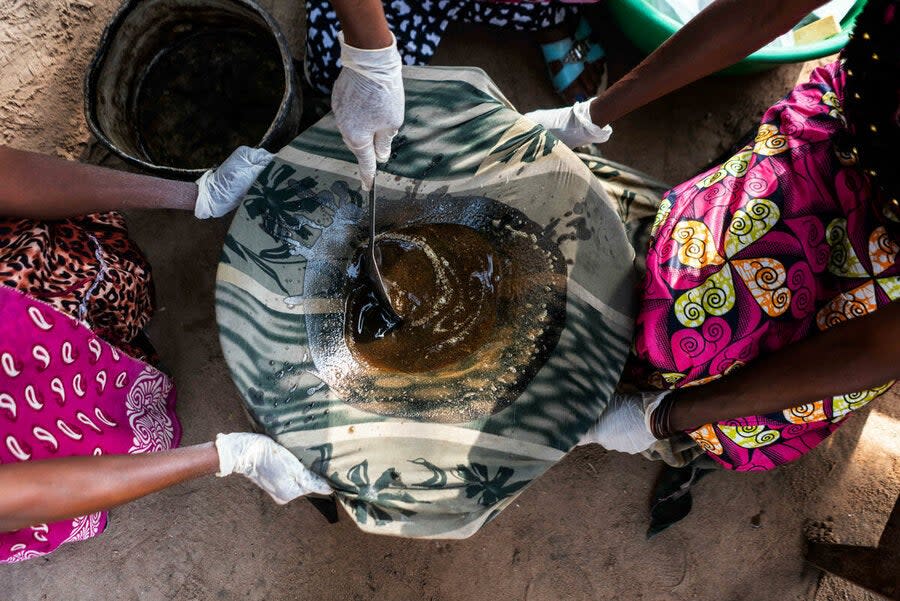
[(671, 501)]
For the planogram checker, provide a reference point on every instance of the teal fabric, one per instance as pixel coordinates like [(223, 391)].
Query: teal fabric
[(398, 474)]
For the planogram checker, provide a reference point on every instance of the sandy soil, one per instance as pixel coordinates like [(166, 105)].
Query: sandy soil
[(577, 534)]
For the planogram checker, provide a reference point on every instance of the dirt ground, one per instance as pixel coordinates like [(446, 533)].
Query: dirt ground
[(577, 534)]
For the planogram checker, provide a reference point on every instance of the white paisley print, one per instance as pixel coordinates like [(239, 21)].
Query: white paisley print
[(21, 553), (85, 527), (146, 409)]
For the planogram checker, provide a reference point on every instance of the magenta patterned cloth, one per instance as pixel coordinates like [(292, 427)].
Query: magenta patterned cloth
[(780, 241), (65, 392)]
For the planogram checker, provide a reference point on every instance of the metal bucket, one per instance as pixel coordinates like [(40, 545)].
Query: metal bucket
[(175, 85)]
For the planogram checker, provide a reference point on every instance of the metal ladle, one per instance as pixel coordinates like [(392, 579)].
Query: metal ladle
[(374, 273)]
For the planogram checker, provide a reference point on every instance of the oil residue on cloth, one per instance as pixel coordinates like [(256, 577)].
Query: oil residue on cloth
[(208, 94)]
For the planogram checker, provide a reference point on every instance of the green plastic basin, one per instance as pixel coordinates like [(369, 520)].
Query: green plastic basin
[(648, 28)]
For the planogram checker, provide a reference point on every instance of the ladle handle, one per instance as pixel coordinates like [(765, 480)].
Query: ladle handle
[(373, 271), (372, 224)]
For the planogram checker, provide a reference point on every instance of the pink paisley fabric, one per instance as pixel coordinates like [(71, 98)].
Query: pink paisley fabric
[(66, 392), (773, 245)]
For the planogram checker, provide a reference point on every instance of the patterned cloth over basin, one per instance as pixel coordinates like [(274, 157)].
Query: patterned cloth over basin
[(395, 473)]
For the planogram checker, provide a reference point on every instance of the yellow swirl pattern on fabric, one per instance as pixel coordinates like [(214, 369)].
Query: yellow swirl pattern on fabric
[(739, 163), (848, 305), (712, 179), (772, 146), (843, 404), (811, 412), (749, 224), (706, 438), (765, 131), (697, 247), (715, 296), (843, 261), (750, 437), (765, 278), (665, 207)]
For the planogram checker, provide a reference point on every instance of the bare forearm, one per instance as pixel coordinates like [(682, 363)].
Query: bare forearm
[(363, 23), (722, 34), (853, 356), (42, 187), (45, 491)]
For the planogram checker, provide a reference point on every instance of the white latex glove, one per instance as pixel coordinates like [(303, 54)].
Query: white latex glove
[(572, 125), (625, 425), (222, 189), (268, 465), (368, 104)]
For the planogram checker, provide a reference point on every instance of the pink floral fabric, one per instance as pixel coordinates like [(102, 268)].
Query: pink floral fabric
[(66, 392), (780, 241)]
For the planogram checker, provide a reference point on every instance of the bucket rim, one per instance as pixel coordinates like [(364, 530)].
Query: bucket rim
[(762, 58), (93, 74)]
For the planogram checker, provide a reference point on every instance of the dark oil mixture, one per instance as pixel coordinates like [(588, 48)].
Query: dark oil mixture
[(207, 95), (448, 284), (481, 290)]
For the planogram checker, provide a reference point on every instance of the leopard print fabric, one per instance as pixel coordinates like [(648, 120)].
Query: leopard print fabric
[(86, 267)]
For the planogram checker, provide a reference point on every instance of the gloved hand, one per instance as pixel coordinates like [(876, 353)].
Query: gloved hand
[(625, 425), (268, 464), (368, 104), (572, 125), (221, 189)]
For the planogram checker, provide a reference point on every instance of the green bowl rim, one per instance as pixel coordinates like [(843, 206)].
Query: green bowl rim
[(825, 47)]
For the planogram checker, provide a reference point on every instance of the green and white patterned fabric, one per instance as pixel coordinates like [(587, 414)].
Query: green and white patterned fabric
[(396, 474)]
